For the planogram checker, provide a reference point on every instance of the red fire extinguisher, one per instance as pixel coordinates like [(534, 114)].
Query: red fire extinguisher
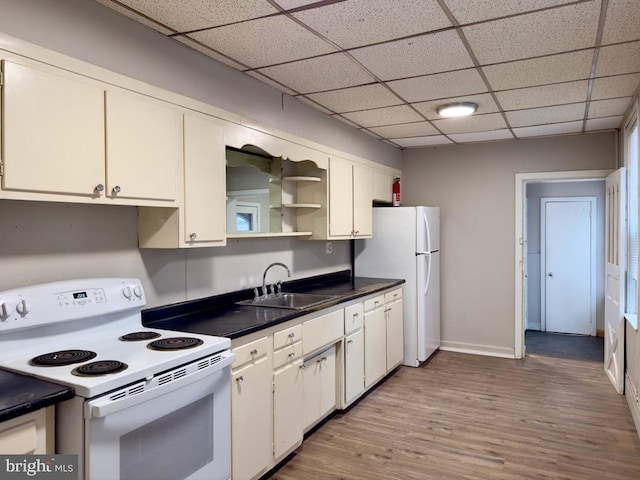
[(396, 192)]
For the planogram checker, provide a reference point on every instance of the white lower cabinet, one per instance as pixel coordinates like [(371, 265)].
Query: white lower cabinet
[(353, 366), (395, 328), (375, 341), (319, 398), (287, 408), (28, 434)]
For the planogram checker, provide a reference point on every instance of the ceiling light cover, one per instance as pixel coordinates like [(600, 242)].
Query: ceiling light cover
[(459, 109)]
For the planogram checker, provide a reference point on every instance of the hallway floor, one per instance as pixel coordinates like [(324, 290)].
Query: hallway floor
[(575, 347)]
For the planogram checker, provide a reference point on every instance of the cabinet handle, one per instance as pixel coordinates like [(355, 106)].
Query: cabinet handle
[(323, 359), (116, 189), (387, 310), (356, 315), (302, 367), (240, 379), (291, 335), (349, 342), (291, 355), (193, 236), (253, 352), (99, 188)]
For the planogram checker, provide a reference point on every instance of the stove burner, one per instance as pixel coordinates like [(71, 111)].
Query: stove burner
[(61, 358), (100, 367), (175, 343), (137, 336)]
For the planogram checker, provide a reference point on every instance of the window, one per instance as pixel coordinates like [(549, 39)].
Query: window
[(631, 142)]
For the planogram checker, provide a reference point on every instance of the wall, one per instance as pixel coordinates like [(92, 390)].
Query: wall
[(475, 187), (536, 191), (46, 242)]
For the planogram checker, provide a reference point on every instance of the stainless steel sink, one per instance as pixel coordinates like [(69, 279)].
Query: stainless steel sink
[(293, 301)]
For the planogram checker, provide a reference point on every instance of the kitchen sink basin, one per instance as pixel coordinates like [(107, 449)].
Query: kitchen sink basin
[(293, 301)]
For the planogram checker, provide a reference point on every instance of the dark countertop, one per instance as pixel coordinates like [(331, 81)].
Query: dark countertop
[(220, 316), (21, 394)]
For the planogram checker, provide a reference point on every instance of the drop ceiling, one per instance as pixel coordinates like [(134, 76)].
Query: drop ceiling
[(534, 67)]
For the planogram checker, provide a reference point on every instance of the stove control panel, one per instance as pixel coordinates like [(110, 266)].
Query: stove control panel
[(57, 302)]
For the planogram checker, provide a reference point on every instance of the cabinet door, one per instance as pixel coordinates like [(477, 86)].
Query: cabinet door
[(375, 346), (53, 132), (362, 201), (340, 198), (311, 391), (144, 148), (287, 408), (353, 366), (327, 382), (204, 180), (395, 342), (251, 439), (382, 183)]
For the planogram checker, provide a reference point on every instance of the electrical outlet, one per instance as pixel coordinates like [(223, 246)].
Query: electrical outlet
[(329, 248)]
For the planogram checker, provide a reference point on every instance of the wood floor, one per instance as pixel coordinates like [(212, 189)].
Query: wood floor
[(472, 417)]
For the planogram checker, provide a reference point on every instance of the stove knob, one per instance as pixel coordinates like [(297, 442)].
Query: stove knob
[(5, 310), (126, 291), (137, 291), (23, 307)]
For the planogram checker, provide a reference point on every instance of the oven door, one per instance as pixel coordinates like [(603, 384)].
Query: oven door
[(176, 426)]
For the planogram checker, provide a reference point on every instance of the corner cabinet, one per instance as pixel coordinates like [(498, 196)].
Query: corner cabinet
[(200, 222)]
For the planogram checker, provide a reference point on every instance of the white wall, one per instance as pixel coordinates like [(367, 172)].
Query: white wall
[(474, 185), (536, 191)]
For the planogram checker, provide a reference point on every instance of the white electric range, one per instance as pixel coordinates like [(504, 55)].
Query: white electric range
[(150, 403)]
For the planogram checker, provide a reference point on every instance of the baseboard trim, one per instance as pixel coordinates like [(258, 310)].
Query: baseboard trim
[(476, 349), (633, 401)]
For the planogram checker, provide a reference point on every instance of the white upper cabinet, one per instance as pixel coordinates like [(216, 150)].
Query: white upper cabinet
[(382, 185), (362, 201), (350, 199), (52, 132), (144, 147)]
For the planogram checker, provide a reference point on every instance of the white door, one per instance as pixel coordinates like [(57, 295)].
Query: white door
[(568, 264), (614, 279)]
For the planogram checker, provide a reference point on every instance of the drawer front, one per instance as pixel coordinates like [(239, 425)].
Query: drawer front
[(353, 317), (322, 331), (287, 354), (393, 295), (286, 337), (373, 303), (250, 351)]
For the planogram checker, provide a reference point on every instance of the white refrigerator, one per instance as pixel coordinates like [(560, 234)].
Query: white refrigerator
[(406, 244)]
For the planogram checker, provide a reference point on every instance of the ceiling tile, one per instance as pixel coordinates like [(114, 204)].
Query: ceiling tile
[(539, 71), (188, 15), (322, 73), (356, 98), (609, 108), (384, 116), (605, 123), (441, 85), (485, 105), (136, 16), (259, 43), (431, 53), (474, 123), (544, 130), (618, 86), (418, 129), (622, 23), (422, 141), (618, 59), (209, 52), (533, 97), (540, 116), (482, 136), (467, 11), (268, 81), (362, 22), (542, 33)]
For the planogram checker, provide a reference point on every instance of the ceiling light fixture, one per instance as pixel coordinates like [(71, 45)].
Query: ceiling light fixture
[(459, 109)]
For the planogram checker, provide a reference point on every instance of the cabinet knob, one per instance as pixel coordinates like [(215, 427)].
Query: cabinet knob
[(349, 341), (193, 236), (356, 315), (323, 359), (99, 188), (115, 190), (291, 355), (291, 335), (302, 367), (239, 380), (253, 352)]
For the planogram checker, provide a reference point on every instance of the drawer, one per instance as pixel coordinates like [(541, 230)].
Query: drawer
[(353, 317), (286, 337), (287, 354), (322, 331), (373, 303), (393, 295), (250, 351)]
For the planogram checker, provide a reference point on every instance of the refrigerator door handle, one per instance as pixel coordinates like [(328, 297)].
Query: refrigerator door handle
[(426, 254), (428, 282)]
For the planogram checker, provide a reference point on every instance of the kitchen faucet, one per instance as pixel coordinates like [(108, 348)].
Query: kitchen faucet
[(264, 277)]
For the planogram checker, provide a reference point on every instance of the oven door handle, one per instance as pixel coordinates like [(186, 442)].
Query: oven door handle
[(159, 385)]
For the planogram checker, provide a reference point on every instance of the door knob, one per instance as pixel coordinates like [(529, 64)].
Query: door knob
[(550, 274)]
